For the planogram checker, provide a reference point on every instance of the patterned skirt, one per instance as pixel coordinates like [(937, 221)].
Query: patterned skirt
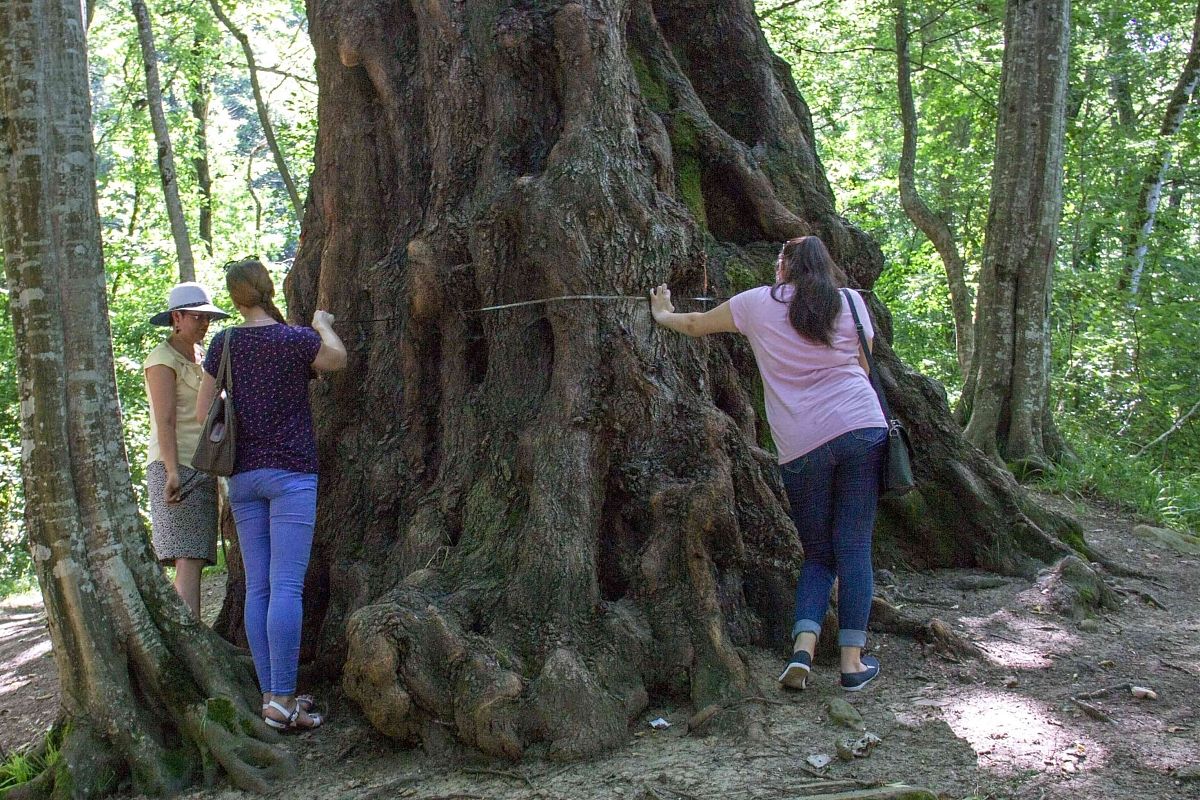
[(187, 529)]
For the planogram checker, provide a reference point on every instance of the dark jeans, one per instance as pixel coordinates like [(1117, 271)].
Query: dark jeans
[(833, 491)]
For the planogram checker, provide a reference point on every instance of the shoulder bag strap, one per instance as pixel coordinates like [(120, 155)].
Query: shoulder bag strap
[(225, 371), (872, 373)]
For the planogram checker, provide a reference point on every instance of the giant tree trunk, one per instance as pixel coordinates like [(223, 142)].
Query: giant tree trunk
[(1006, 393), (535, 518), (151, 699)]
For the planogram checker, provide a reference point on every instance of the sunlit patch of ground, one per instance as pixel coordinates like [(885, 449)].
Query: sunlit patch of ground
[(1010, 733), (1019, 642), (34, 652)]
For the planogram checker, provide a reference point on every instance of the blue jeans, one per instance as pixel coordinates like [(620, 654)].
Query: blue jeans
[(833, 491), (275, 511)]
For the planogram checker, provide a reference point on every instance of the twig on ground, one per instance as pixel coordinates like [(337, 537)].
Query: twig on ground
[(1149, 598), (1179, 667), (924, 601), (1116, 687), (1091, 710), (503, 773), (825, 786), (1002, 637)]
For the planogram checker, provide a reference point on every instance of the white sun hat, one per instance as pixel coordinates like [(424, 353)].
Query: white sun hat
[(189, 296)]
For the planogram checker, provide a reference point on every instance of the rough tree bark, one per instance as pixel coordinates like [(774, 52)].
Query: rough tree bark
[(260, 103), (151, 699), (1150, 195), (921, 214), (534, 519), (200, 97), (162, 137), (1005, 398)]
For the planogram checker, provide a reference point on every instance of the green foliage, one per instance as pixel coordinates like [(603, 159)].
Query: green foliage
[(1123, 370), (1105, 470)]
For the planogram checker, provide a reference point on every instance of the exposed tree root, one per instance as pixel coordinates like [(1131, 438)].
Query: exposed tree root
[(933, 632), (1075, 590)]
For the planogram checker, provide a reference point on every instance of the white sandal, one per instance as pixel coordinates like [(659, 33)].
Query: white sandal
[(306, 702), (289, 724)]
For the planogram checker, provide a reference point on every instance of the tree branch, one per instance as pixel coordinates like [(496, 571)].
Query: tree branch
[(263, 116), (920, 213), (275, 71), (772, 11), (1179, 423)]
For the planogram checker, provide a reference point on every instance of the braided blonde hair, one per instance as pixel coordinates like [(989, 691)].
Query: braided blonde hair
[(250, 285)]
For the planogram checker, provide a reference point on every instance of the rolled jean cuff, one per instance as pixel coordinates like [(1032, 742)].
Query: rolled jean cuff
[(805, 626), (849, 638)]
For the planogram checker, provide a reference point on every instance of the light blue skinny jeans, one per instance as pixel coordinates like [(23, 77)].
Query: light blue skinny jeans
[(833, 491), (275, 511)]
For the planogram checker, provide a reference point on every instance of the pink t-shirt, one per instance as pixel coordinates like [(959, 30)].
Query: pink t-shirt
[(814, 393)]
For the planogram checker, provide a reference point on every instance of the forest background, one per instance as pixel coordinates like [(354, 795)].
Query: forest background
[(1123, 366)]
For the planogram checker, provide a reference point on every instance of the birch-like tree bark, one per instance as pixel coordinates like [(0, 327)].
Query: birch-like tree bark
[(200, 94), (919, 212), (264, 116), (1150, 196), (1006, 393), (162, 137), (152, 701)]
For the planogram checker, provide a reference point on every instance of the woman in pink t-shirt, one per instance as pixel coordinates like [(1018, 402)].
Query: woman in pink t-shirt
[(829, 432)]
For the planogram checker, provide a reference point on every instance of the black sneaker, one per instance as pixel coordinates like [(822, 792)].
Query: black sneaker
[(856, 681), (796, 672)]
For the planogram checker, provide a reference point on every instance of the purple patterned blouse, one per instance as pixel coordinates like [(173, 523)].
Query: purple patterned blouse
[(272, 365)]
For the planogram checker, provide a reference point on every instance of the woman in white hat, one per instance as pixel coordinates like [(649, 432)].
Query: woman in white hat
[(183, 502)]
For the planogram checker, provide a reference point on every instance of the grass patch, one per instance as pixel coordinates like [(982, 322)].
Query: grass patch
[(1170, 496), (22, 767)]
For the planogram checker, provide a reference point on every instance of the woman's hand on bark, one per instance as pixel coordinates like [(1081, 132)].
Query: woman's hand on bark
[(322, 319), (660, 300)]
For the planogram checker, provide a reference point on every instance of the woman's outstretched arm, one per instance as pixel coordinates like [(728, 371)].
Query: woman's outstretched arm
[(717, 320)]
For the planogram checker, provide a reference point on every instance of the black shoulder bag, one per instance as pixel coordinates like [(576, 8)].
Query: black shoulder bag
[(216, 450), (897, 470)]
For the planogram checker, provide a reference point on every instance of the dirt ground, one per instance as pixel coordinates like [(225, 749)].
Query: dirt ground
[(1002, 726)]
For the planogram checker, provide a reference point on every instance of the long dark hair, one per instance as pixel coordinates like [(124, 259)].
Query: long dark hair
[(805, 264)]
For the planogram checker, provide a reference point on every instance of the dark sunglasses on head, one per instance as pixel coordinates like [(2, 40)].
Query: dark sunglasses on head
[(229, 264)]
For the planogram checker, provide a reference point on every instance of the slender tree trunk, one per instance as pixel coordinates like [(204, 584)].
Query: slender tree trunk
[(1138, 240), (534, 520), (200, 98), (151, 700), (162, 136), (264, 116), (1007, 393), (920, 214)]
